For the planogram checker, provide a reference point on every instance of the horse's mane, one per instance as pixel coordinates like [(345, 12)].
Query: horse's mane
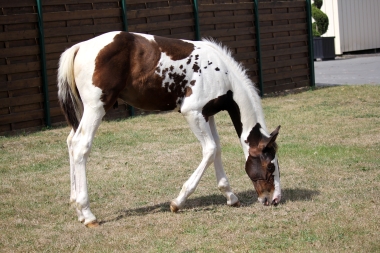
[(241, 72), (226, 52)]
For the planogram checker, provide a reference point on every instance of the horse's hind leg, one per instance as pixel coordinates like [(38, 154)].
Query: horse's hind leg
[(221, 178), (202, 131), (80, 147), (73, 194)]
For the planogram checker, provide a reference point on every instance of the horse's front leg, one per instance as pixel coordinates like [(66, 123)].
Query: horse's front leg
[(202, 131), (221, 177), (81, 143)]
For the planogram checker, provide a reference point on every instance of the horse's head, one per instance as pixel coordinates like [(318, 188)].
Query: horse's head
[(261, 164)]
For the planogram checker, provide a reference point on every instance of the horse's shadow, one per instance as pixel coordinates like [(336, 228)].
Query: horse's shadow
[(209, 202)]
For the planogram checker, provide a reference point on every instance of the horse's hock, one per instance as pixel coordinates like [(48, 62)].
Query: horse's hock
[(28, 88)]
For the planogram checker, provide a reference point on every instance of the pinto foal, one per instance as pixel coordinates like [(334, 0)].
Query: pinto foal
[(196, 78)]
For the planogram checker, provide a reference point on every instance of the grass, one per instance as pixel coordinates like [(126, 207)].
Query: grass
[(329, 157)]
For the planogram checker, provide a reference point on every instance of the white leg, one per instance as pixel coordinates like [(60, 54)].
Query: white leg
[(80, 149), (73, 194), (277, 187), (202, 131), (221, 177)]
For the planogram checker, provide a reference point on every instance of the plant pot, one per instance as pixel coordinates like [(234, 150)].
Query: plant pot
[(324, 48)]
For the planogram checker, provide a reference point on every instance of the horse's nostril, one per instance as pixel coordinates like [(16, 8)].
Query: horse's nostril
[(275, 202), (266, 201)]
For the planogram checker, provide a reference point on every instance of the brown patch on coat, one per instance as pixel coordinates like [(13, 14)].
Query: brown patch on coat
[(175, 49), (189, 91), (126, 68), (227, 103)]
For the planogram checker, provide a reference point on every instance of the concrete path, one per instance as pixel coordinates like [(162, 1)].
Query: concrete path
[(348, 70)]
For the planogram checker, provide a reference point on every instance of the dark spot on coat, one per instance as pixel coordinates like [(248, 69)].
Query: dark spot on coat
[(181, 66), (178, 78), (205, 67), (196, 57), (209, 63), (195, 67), (227, 103), (165, 71), (171, 68), (192, 82), (217, 69)]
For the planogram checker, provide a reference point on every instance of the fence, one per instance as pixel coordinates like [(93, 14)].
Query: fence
[(33, 34)]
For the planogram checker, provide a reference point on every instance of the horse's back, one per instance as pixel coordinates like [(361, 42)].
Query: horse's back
[(151, 72)]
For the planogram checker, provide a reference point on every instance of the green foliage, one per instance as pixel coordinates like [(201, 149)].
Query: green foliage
[(321, 23), (318, 3), (315, 31)]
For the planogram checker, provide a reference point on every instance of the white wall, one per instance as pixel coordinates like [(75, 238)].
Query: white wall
[(354, 23)]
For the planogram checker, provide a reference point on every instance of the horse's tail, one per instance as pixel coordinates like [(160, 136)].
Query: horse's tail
[(68, 95)]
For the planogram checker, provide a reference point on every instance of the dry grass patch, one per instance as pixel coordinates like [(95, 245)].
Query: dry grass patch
[(329, 158)]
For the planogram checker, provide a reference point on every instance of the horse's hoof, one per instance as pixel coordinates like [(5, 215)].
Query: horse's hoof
[(237, 204), (93, 224), (173, 207)]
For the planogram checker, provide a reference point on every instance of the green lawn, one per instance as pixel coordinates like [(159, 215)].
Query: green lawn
[(330, 173)]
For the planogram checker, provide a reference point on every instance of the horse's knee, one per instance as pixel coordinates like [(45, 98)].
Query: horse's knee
[(210, 152), (81, 149)]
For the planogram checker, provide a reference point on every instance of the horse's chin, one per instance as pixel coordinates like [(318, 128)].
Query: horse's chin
[(276, 200), (268, 200)]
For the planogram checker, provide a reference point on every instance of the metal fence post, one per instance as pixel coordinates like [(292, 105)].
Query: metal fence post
[(311, 43), (131, 109), (45, 88), (258, 47), (196, 17), (124, 15)]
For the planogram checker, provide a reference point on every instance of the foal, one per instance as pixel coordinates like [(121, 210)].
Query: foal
[(196, 78)]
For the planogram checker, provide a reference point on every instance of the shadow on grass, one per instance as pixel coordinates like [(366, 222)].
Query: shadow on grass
[(210, 202), (298, 194)]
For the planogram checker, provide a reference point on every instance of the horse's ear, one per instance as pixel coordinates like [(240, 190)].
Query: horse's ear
[(273, 137), (254, 136)]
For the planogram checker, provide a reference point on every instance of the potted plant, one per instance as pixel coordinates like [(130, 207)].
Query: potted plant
[(324, 47)]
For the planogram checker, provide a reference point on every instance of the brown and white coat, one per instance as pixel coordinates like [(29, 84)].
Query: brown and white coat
[(196, 78)]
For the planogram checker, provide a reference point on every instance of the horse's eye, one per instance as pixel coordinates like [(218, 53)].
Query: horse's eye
[(271, 167)]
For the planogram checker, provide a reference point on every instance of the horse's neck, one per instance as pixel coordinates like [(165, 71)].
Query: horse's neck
[(249, 103)]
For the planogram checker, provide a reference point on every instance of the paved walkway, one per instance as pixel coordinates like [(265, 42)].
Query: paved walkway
[(348, 70)]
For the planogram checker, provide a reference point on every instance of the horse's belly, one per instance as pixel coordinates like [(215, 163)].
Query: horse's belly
[(151, 95)]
